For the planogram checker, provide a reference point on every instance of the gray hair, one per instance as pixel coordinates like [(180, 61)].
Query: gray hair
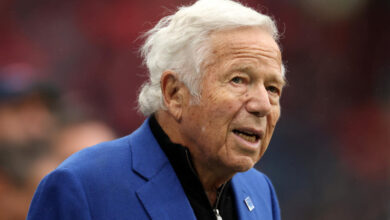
[(179, 43)]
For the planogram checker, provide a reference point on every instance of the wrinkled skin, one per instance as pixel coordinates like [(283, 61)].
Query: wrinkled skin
[(228, 128), (240, 90)]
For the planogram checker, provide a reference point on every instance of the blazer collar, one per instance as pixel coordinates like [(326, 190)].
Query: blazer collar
[(147, 156), (162, 194)]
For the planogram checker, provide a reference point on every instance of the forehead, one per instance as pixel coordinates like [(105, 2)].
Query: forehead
[(245, 42)]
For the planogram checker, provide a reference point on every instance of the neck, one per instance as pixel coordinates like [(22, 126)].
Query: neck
[(212, 178)]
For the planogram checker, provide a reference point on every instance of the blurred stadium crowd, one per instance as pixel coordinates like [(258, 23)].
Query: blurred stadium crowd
[(70, 73)]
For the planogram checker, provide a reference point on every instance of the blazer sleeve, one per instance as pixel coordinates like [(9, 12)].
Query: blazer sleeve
[(274, 200), (60, 195)]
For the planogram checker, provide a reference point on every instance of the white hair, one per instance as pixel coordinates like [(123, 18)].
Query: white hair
[(178, 43)]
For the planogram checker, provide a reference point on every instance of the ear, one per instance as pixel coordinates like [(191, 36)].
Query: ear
[(174, 92)]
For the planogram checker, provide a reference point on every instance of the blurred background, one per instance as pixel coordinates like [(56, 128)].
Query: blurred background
[(70, 74)]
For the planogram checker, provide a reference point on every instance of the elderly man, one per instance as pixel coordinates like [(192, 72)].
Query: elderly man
[(216, 77)]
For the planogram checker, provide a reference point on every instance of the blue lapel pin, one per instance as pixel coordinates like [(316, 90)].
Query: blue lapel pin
[(249, 203)]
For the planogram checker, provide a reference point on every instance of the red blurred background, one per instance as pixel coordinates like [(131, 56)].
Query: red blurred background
[(70, 73)]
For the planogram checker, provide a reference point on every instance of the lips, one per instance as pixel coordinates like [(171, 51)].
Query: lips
[(249, 135)]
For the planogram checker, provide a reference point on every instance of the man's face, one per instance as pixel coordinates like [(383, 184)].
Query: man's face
[(231, 126)]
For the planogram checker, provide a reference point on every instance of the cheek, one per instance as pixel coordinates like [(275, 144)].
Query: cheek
[(218, 105), (217, 109), (272, 119)]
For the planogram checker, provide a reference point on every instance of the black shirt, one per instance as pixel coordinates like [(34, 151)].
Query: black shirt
[(180, 159)]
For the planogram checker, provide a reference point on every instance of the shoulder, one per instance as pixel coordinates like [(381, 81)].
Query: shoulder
[(82, 185), (117, 158), (101, 156), (95, 168)]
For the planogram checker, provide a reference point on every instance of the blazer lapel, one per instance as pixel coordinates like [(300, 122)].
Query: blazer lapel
[(162, 194), (164, 198)]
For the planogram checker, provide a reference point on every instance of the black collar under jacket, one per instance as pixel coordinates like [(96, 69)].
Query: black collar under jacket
[(180, 159)]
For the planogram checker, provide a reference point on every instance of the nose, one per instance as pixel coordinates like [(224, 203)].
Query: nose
[(258, 102)]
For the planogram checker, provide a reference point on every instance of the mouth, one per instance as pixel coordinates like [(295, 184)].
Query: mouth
[(250, 136)]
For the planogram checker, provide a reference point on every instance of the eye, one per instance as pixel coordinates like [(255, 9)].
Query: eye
[(237, 80), (273, 89)]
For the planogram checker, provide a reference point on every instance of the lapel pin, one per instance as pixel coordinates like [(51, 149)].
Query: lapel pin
[(249, 203)]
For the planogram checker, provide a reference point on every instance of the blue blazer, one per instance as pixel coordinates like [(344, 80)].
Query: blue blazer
[(131, 178)]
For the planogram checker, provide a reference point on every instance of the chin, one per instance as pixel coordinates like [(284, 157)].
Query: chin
[(243, 164)]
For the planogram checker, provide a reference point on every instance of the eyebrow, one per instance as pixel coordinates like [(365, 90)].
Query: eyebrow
[(278, 79)]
